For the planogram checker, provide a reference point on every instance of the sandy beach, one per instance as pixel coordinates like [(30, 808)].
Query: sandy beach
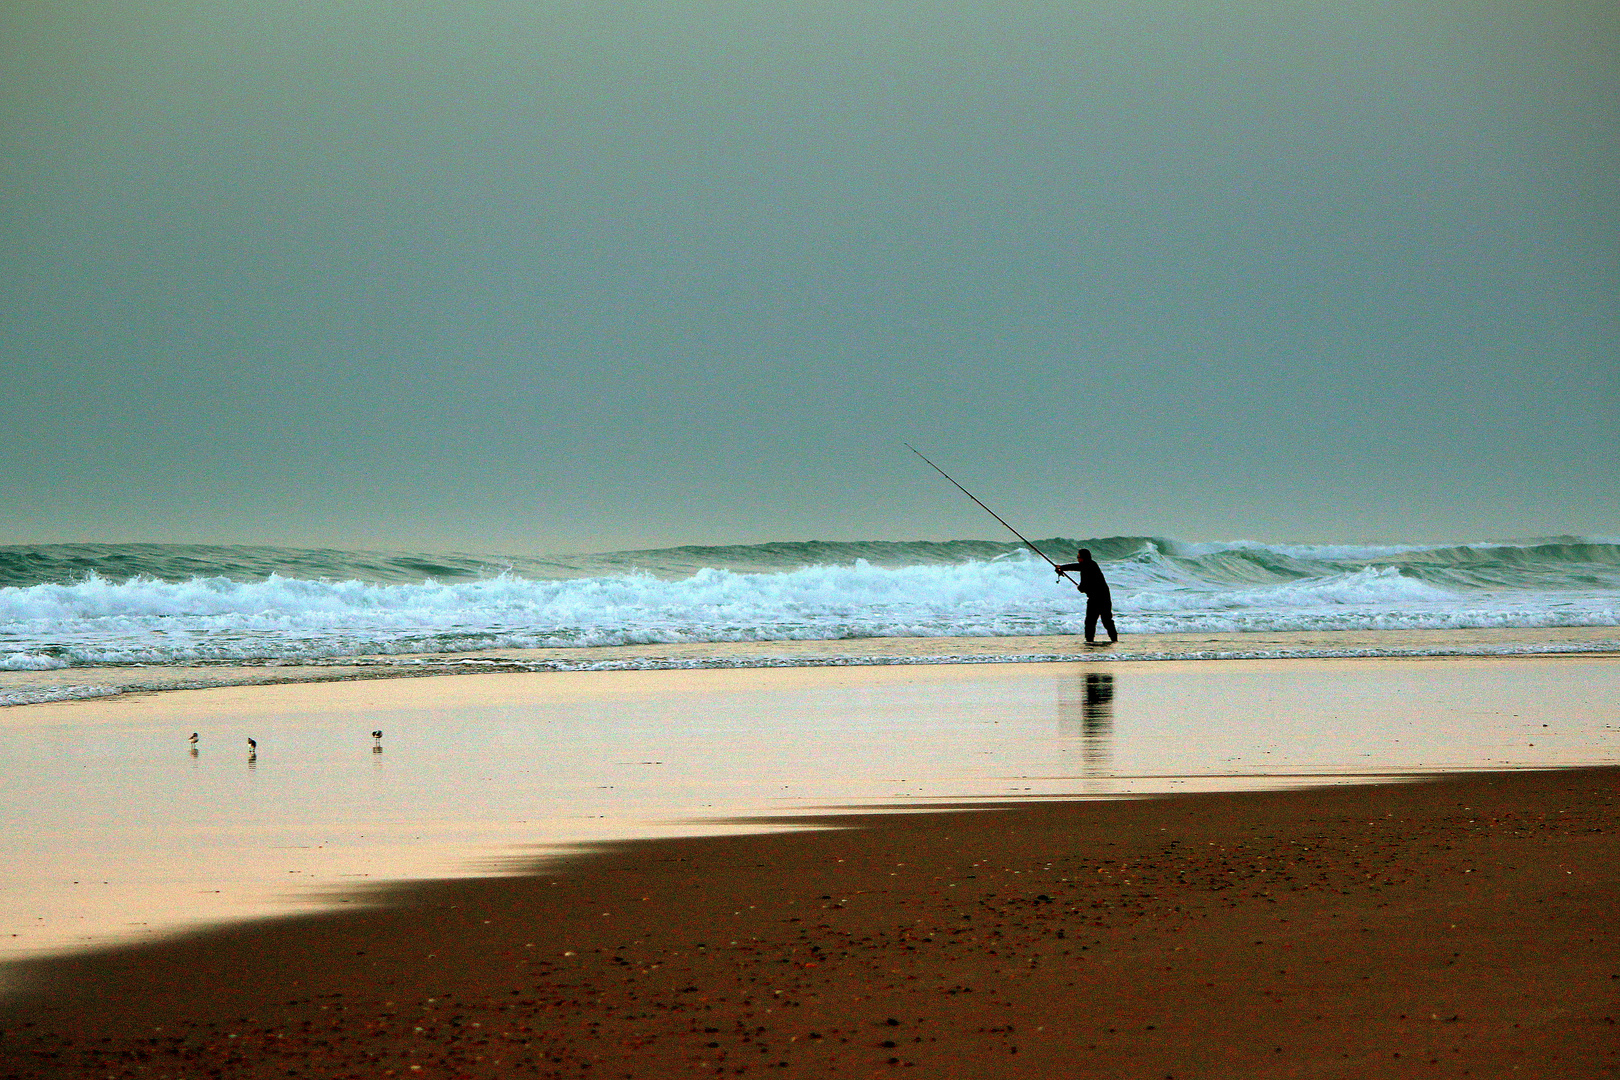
[(1456, 926), (115, 828), (971, 541)]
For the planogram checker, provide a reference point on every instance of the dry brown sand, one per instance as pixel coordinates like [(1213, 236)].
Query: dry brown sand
[(1455, 927)]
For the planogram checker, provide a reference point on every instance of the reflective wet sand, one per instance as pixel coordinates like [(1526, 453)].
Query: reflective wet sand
[(111, 827), (80, 683)]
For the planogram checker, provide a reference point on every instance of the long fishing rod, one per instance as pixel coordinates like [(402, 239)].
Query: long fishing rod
[(1064, 575)]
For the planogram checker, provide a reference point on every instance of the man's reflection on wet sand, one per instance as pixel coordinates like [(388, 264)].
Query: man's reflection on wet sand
[(1086, 712)]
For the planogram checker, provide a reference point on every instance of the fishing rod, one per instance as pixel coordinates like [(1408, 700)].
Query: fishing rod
[(1064, 575)]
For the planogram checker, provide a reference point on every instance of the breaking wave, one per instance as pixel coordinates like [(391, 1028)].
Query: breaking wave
[(73, 605)]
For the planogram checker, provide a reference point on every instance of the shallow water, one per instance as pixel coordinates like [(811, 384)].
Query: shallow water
[(32, 687), (112, 828)]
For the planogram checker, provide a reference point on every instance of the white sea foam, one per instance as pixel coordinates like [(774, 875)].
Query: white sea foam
[(23, 661), (40, 695), (97, 620), (1371, 586)]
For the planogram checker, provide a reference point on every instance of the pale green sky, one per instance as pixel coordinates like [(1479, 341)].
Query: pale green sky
[(529, 276)]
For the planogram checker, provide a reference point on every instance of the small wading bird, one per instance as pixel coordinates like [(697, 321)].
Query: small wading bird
[(377, 734), (252, 746), (193, 739)]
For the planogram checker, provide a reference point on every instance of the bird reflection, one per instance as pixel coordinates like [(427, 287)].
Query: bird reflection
[(1095, 705)]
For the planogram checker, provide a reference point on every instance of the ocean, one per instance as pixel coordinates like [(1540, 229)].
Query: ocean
[(95, 605)]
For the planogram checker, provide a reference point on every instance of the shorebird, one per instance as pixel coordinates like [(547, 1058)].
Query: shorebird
[(252, 746), (193, 739), (377, 734)]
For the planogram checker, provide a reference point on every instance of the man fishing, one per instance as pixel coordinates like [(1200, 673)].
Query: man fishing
[(1099, 602)]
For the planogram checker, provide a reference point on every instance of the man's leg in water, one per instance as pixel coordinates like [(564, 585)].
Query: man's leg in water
[(1105, 612)]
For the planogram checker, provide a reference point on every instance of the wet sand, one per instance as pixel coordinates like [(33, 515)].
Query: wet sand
[(1461, 926), (115, 828), (88, 683)]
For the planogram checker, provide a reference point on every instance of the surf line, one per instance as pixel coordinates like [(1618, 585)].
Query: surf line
[(1064, 575)]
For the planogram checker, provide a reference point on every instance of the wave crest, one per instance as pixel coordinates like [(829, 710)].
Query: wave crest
[(976, 590)]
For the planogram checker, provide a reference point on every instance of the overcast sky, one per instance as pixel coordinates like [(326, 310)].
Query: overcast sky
[(562, 276)]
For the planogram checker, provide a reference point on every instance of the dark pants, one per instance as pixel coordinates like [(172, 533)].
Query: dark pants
[(1100, 609)]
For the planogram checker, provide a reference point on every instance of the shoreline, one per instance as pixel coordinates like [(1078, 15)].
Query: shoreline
[(67, 684), (1451, 926)]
